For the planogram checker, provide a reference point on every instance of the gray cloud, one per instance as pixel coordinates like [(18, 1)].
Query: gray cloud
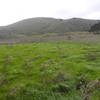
[(15, 10)]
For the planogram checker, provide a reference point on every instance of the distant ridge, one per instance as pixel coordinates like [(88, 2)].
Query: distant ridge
[(48, 25)]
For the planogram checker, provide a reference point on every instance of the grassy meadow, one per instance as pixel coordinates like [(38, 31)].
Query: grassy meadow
[(66, 70)]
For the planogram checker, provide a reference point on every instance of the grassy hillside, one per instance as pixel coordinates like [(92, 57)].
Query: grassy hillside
[(50, 71), (52, 25), (48, 25)]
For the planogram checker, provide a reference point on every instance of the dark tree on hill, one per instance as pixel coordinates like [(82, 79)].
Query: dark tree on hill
[(95, 28)]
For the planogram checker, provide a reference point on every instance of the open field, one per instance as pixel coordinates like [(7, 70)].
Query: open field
[(46, 37), (64, 70)]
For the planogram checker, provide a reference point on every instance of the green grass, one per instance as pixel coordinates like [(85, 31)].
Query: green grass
[(49, 71)]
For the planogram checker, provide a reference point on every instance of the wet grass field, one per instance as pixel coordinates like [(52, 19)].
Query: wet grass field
[(66, 70)]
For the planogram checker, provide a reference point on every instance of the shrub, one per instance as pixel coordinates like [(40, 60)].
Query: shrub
[(62, 88), (59, 78)]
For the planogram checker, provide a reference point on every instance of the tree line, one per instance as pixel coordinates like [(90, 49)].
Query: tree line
[(95, 28)]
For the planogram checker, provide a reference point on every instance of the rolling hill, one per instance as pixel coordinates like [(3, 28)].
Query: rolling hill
[(48, 25), (25, 29)]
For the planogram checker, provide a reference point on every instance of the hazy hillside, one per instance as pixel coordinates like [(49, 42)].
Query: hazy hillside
[(48, 25)]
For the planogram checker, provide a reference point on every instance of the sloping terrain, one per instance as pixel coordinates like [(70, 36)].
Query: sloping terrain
[(26, 30), (48, 25)]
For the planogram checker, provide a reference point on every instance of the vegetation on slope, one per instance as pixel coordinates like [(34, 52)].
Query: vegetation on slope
[(50, 71), (95, 28), (48, 25)]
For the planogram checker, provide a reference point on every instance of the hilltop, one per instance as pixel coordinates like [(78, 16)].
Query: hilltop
[(48, 25), (25, 29)]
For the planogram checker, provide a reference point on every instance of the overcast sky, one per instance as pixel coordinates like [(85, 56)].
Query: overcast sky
[(15, 10)]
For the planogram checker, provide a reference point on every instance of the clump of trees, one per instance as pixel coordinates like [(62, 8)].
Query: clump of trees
[(95, 28)]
